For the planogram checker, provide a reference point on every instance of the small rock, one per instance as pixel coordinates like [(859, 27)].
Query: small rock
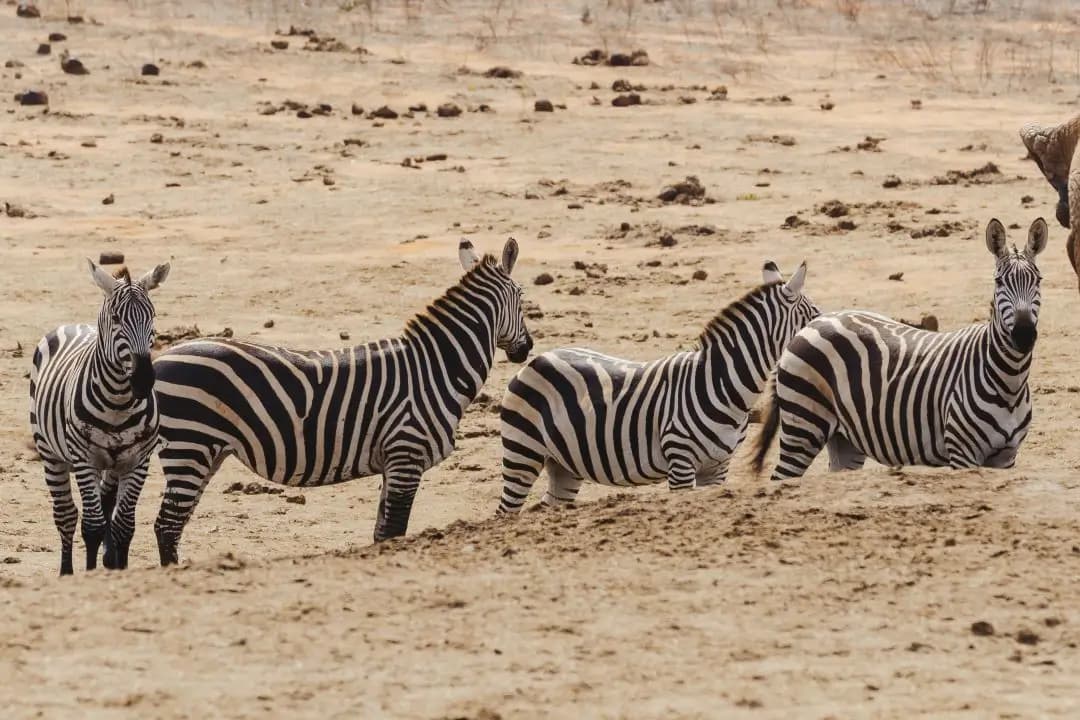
[(929, 322), (44, 49), (543, 279), (827, 105), (700, 275), (897, 276), (236, 487), (500, 71), (344, 335), (846, 225), (683, 191), (150, 69), (638, 57), (448, 110), (626, 100), (72, 65), (357, 110), (279, 44), (14, 64), (543, 106), (108, 199), (834, 209), (57, 37), (27, 10), (384, 113), (891, 181), (982, 628), (575, 206), (327, 180), (11, 560), (1027, 637), (625, 227), (157, 138), (1026, 200), (296, 499), (268, 324), (668, 240), (32, 97), (435, 157), (792, 221), (916, 104)]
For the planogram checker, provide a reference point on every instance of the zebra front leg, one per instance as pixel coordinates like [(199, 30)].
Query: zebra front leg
[(187, 473), (122, 525), (65, 514), (563, 485), (109, 483), (401, 478), (93, 519)]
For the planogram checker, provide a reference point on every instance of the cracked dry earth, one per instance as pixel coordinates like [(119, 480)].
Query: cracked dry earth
[(867, 594)]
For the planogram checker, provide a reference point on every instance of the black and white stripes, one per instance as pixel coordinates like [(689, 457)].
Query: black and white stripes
[(584, 415), (869, 386), (92, 412), (316, 418)]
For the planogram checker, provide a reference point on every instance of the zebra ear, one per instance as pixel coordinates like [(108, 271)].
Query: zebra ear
[(510, 255), (155, 277), (469, 258), (102, 279), (995, 239), (795, 284), (771, 274), (1036, 239)]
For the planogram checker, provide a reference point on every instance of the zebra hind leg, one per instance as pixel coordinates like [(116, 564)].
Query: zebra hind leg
[(563, 485), (521, 466), (187, 473), (843, 455), (65, 514), (401, 479), (802, 438), (122, 527), (93, 519)]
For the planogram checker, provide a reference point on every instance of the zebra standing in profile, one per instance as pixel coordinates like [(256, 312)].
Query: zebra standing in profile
[(584, 415), (318, 418), (92, 412), (866, 385)]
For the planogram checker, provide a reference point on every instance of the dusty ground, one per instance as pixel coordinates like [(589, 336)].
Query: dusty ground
[(845, 595)]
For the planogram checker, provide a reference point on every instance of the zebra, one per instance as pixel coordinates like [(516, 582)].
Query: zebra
[(317, 418), (92, 412), (583, 415), (866, 385)]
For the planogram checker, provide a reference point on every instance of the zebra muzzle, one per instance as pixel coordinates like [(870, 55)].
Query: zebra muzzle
[(142, 376), (520, 353), (1024, 334)]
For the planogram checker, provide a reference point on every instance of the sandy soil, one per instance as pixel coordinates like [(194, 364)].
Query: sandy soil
[(844, 595)]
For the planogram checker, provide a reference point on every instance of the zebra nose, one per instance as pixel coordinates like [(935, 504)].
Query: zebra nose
[(1024, 333), (142, 376)]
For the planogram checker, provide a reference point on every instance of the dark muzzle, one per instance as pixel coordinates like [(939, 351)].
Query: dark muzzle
[(1024, 334), (520, 353), (142, 377)]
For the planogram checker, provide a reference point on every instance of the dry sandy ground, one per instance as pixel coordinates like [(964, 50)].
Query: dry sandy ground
[(844, 595)]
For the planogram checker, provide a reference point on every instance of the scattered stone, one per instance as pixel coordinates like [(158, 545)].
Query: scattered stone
[(435, 157), (108, 199), (44, 49), (197, 65), (982, 628), (916, 104), (834, 209), (164, 338), (891, 181), (785, 140), (622, 86), (944, 229), (16, 211), (57, 37), (27, 10), (111, 258), (980, 174), (827, 105), (32, 97), (637, 57), (14, 64), (845, 225), (668, 240), (1027, 200), (683, 192), (687, 99), (792, 221), (626, 100), (296, 499), (718, 93), (543, 279), (75, 19), (72, 65), (543, 106), (268, 324), (898, 276), (700, 275), (383, 113), (929, 322), (593, 57), (501, 71), (448, 110), (344, 335), (625, 227), (279, 44), (419, 107), (157, 138), (150, 69), (91, 143), (1027, 637), (11, 560)]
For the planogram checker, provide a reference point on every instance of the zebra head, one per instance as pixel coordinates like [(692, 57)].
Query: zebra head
[(493, 280), (793, 309), (1016, 284), (126, 323)]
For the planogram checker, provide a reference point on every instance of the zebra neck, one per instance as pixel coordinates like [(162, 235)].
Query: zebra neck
[(736, 368), (107, 387), (454, 349), (1006, 369)]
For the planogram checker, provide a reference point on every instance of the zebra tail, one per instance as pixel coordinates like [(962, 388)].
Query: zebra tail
[(769, 428)]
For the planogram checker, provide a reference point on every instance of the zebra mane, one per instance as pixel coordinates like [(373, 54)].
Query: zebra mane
[(725, 317), (123, 274), (489, 261)]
